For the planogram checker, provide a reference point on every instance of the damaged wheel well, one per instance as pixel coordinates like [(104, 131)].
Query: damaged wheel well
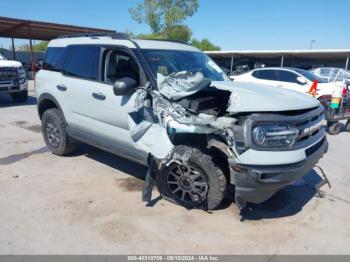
[(205, 143), (188, 139)]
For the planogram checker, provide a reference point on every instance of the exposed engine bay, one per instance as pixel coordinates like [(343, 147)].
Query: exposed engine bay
[(196, 107)]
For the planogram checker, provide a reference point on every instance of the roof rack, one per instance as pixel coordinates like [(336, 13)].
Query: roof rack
[(112, 34), (117, 35)]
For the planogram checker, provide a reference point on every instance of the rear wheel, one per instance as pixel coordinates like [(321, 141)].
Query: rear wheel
[(54, 132), (347, 126), (199, 183), (334, 128), (20, 97)]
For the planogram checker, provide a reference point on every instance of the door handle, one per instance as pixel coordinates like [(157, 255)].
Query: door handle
[(99, 96), (61, 87)]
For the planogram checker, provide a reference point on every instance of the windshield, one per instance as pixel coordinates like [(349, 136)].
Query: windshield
[(309, 75), (167, 62)]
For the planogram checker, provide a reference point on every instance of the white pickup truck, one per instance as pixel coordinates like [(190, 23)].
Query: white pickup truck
[(13, 80)]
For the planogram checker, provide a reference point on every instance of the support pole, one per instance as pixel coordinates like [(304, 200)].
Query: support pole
[(13, 49), (282, 61), (31, 51), (347, 62), (232, 61)]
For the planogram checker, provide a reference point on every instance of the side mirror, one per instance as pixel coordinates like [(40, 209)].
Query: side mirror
[(124, 86), (301, 80)]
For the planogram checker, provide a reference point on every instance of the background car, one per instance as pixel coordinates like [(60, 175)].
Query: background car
[(331, 74), (289, 78)]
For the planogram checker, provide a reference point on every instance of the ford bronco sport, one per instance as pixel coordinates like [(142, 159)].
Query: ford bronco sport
[(13, 80), (168, 106)]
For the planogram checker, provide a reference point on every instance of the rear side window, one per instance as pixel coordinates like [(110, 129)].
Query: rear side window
[(267, 75), (286, 76), (83, 61), (54, 58)]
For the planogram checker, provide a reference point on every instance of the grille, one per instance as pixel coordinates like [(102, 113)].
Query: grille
[(8, 74), (309, 127)]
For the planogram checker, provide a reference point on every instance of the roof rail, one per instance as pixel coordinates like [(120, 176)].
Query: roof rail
[(112, 34), (117, 35), (165, 40)]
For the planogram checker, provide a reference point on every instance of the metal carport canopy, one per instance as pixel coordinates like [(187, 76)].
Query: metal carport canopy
[(324, 53), (29, 29)]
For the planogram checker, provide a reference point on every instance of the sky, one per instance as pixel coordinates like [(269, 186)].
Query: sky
[(230, 24)]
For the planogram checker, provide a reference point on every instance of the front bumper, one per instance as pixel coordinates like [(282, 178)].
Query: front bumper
[(12, 86), (257, 183)]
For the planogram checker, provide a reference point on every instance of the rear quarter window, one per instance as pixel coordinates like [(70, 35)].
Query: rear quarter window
[(54, 58)]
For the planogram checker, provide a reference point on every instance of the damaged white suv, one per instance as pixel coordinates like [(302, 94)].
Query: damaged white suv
[(170, 107)]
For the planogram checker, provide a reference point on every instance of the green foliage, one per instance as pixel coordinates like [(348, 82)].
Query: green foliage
[(166, 20), (148, 12), (162, 15), (179, 33), (205, 45), (39, 47)]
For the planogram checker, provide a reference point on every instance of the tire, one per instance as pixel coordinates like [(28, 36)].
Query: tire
[(347, 126), (334, 128), (202, 180), (54, 133), (20, 97)]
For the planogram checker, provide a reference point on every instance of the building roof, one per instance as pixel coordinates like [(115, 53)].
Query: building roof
[(324, 53), (29, 29)]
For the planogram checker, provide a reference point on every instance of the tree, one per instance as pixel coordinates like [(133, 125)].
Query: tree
[(205, 45), (148, 12), (166, 20), (179, 33), (163, 15), (39, 47)]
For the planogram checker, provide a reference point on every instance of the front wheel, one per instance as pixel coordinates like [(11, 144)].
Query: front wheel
[(20, 97), (198, 183)]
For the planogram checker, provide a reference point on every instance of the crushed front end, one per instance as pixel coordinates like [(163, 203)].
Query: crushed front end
[(265, 138)]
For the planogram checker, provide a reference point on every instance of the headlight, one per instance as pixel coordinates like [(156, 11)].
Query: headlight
[(22, 73), (274, 135)]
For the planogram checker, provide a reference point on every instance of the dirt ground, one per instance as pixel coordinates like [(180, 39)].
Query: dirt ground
[(90, 203)]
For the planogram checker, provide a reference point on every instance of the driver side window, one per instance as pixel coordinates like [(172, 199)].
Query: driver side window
[(119, 64)]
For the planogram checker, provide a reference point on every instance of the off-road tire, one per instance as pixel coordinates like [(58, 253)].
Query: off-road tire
[(347, 126), (334, 128), (213, 173), (20, 97), (65, 145)]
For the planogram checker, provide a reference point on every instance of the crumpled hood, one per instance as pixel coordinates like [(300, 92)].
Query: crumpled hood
[(9, 63), (250, 97)]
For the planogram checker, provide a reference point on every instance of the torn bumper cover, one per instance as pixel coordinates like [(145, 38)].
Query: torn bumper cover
[(256, 184)]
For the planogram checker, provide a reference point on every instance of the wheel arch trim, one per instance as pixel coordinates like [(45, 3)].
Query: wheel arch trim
[(48, 97)]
